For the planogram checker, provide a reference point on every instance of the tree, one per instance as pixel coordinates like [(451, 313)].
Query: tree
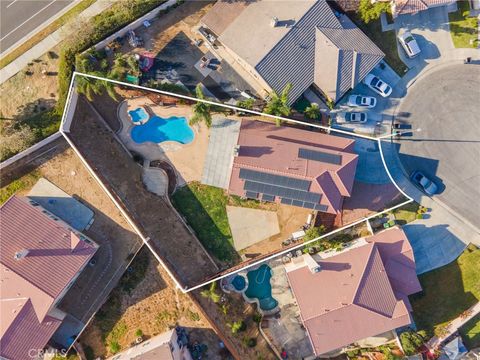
[(278, 103), (237, 326), (123, 65), (201, 110), (371, 12), (314, 232), (411, 341), (312, 111), (211, 293), (90, 86)]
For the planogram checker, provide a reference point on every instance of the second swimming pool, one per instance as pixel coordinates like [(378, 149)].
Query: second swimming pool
[(259, 287), (158, 130)]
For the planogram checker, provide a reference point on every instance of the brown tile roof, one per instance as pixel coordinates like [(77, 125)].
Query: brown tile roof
[(401, 7), (222, 14), (53, 255), (267, 148), (353, 296)]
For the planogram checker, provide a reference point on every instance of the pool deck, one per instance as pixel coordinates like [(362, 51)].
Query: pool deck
[(188, 160)]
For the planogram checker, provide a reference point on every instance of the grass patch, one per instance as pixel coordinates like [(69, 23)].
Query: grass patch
[(23, 183), (386, 41), (447, 292), (406, 213), (464, 29), (471, 333), (42, 34), (205, 210)]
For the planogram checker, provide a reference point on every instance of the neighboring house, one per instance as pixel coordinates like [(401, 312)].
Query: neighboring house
[(304, 43), (359, 293), (400, 7), (293, 166), (166, 346), (40, 258)]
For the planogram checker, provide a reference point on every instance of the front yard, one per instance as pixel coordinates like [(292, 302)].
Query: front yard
[(386, 41), (447, 292), (471, 333), (464, 29)]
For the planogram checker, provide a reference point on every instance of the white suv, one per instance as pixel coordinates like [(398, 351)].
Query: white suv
[(409, 44)]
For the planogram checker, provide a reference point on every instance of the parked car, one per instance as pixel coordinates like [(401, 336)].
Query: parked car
[(409, 44), (351, 117), (362, 101), (378, 85), (424, 183)]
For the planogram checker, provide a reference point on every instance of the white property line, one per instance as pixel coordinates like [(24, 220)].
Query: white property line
[(146, 239)]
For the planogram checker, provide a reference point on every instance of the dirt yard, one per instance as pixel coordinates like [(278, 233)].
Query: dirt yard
[(169, 236), (32, 90), (110, 230), (154, 306)]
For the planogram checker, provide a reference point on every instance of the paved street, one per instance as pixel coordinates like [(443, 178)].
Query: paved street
[(444, 108), (20, 17)]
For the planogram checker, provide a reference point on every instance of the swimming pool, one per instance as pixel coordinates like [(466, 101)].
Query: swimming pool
[(239, 282), (158, 130), (139, 115), (259, 287)]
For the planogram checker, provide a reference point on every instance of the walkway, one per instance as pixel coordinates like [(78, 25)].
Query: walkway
[(49, 42), (454, 325)]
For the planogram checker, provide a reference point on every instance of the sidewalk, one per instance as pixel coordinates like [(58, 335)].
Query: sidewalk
[(48, 43), (453, 326)]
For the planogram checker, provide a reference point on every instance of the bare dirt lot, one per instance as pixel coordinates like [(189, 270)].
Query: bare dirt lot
[(169, 236), (153, 306), (32, 90), (110, 230)]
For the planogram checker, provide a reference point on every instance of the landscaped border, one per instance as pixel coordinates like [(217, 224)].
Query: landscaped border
[(65, 129)]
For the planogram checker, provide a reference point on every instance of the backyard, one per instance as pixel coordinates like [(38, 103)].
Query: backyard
[(145, 301), (471, 333), (463, 28), (447, 292)]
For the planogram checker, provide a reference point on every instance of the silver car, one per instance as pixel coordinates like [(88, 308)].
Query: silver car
[(424, 183), (378, 85), (409, 44), (351, 117), (362, 101)]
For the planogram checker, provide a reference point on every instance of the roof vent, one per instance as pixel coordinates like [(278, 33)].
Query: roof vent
[(273, 21), (21, 254)]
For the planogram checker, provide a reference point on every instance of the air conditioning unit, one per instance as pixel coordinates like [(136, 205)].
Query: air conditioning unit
[(236, 150)]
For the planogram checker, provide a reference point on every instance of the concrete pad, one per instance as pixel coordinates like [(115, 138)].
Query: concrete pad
[(156, 181), (250, 226), (59, 203)]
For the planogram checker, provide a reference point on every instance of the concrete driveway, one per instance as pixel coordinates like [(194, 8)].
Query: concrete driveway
[(443, 107)]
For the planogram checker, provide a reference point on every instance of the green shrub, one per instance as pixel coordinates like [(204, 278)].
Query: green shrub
[(193, 315), (139, 333), (257, 318), (114, 347), (238, 326), (250, 342), (410, 341), (370, 12), (353, 353)]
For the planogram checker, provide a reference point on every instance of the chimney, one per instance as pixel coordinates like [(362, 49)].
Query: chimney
[(273, 21), (74, 241), (21, 254)]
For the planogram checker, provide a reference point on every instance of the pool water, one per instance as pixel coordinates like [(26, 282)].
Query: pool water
[(158, 130), (239, 283), (259, 287), (138, 115)]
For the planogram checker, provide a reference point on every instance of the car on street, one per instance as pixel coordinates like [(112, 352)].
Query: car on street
[(351, 117), (424, 183), (378, 85), (409, 44), (362, 101)]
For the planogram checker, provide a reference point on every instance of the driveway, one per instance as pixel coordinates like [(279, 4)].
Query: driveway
[(446, 145)]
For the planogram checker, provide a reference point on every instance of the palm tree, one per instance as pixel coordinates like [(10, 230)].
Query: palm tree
[(201, 110), (278, 103), (312, 111), (90, 86), (211, 293)]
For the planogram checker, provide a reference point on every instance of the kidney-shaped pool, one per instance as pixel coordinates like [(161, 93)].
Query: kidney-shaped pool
[(159, 129)]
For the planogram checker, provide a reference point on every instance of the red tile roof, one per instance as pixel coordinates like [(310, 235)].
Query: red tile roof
[(412, 6), (53, 254), (267, 148), (353, 296)]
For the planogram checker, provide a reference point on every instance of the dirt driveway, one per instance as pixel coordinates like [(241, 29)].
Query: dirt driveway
[(169, 236)]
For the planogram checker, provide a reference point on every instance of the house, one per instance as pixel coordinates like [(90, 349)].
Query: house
[(304, 43), (359, 293), (166, 346), (401, 7), (40, 258), (293, 166)]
